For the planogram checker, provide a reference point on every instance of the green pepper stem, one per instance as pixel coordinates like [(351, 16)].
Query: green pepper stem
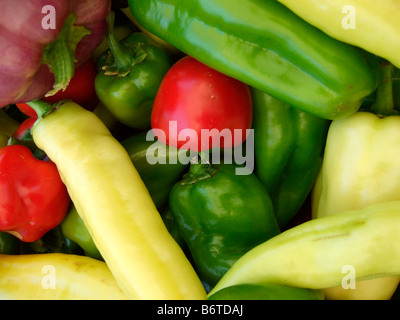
[(199, 171), (121, 56), (123, 59), (60, 54), (384, 104), (42, 108)]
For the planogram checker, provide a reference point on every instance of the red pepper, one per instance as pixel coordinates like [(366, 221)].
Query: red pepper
[(33, 197), (25, 125)]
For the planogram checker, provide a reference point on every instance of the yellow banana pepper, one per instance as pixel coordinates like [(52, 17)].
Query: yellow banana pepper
[(361, 168), (56, 276), (115, 205), (317, 254), (369, 24)]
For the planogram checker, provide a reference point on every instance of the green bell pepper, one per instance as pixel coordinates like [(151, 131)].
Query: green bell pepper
[(265, 45), (289, 146), (131, 72), (74, 230), (267, 291), (221, 216)]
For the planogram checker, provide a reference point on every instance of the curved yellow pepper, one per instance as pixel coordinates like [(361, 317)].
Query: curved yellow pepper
[(369, 24), (56, 276), (115, 206), (317, 253), (360, 168)]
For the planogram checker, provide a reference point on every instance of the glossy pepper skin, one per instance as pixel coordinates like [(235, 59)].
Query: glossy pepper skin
[(115, 205), (360, 169), (56, 276), (34, 199), (221, 216), (263, 44), (289, 146), (159, 179), (131, 72), (313, 254), (368, 24)]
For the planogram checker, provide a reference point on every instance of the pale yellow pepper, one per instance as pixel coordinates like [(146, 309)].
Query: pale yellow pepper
[(115, 206), (373, 25), (56, 276), (317, 253), (360, 168)]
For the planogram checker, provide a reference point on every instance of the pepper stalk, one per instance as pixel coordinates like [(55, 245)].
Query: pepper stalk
[(120, 60), (60, 54), (384, 104)]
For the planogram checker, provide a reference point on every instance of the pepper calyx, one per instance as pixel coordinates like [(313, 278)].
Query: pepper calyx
[(60, 54), (42, 108), (384, 104), (199, 171), (121, 58)]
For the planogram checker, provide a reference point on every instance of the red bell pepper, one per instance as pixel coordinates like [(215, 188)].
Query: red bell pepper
[(33, 198), (43, 41)]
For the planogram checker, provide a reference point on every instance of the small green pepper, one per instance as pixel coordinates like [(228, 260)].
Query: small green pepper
[(74, 229), (221, 216), (131, 72)]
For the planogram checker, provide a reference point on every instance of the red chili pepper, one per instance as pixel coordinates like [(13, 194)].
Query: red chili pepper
[(33, 197), (25, 125), (27, 110)]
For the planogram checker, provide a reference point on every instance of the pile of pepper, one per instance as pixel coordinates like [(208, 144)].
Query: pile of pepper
[(203, 149)]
